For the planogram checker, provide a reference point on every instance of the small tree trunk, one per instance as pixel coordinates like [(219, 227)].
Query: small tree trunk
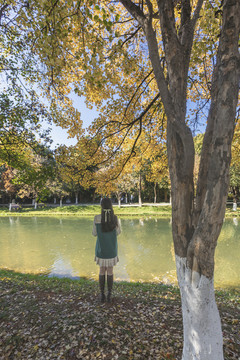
[(234, 204), (61, 202), (140, 190), (55, 200), (76, 198), (155, 192), (119, 199)]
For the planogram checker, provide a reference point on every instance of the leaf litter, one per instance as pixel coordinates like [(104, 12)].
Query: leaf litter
[(52, 319)]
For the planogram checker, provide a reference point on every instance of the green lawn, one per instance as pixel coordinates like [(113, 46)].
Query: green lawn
[(50, 318), (91, 210)]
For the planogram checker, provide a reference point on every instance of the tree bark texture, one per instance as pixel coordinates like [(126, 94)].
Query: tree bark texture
[(196, 228), (213, 179), (201, 321)]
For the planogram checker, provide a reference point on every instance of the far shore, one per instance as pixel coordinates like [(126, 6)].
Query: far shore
[(163, 210)]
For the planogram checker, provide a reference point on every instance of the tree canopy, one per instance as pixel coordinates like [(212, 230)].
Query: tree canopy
[(151, 67)]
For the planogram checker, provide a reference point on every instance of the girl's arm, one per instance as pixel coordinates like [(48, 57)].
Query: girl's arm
[(118, 227), (97, 220), (94, 230)]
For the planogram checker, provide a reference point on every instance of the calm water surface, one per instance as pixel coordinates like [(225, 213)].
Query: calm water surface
[(65, 247)]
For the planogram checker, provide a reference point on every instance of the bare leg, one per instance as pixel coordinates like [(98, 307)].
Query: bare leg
[(109, 270), (102, 270)]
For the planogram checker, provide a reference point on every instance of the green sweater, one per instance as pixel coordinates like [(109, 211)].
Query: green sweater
[(106, 245)]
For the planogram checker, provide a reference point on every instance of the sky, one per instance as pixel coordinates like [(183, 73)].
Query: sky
[(60, 136)]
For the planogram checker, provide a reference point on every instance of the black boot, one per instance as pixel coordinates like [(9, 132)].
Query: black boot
[(102, 285), (110, 285)]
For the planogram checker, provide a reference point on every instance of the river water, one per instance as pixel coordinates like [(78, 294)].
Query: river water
[(64, 246)]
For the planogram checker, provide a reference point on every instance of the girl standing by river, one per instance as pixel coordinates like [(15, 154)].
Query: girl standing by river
[(106, 227)]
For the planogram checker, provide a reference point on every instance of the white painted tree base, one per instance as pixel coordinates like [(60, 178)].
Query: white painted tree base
[(201, 321)]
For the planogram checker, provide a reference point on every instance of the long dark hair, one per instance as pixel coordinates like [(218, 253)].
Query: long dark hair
[(108, 219)]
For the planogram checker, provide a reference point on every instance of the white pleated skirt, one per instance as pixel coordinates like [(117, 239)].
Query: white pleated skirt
[(106, 262)]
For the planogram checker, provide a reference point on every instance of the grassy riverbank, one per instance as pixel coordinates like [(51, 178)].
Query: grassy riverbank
[(91, 210), (50, 318)]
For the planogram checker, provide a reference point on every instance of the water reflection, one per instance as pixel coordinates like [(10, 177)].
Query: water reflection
[(65, 247), (63, 268)]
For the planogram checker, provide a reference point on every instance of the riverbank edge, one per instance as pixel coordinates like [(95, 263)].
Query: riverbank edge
[(161, 211), (65, 284)]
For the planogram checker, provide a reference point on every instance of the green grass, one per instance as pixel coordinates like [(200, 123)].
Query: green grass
[(91, 210), (231, 213)]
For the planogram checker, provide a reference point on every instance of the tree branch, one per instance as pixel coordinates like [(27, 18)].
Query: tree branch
[(131, 153), (167, 21), (131, 36), (186, 32), (137, 90), (134, 10), (196, 13), (128, 127), (3, 8), (125, 125)]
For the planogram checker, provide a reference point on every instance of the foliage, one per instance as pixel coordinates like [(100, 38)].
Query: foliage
[(161, 43), (72, 168), (57, 188), (19, 124), (235, 164), (82, 61), (7, 185), (22, 111), (32, 179), (92, 48), (25, 102)]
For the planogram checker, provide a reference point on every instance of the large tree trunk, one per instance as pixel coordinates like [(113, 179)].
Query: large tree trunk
[(201, 320), (195, 245), (196, 228)]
